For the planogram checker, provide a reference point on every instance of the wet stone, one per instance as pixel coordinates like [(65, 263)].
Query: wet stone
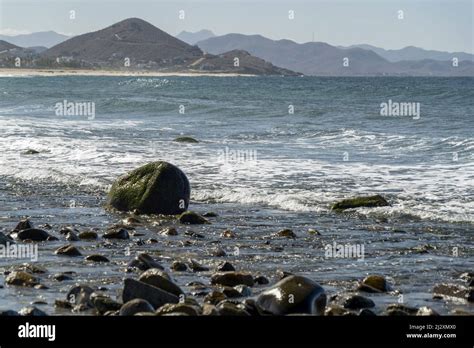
[(68, 250)]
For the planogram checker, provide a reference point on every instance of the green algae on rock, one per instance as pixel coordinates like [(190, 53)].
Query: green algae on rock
[(357, 202), (155, 188)]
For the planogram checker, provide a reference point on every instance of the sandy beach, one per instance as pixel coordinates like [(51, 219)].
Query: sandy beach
[(86, 72)]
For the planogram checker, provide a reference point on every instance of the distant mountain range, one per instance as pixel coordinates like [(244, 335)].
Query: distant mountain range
[(193, 38), (414, 53), (145, 46), (322, 59), (45, 38), (134, 44)]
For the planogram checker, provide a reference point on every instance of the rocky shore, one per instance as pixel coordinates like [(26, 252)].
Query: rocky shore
[(151, 208)]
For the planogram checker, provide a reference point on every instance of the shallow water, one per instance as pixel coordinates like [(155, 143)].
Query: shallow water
[(292, 166)]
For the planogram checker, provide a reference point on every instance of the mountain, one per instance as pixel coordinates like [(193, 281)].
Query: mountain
[(192, 38), (322, 59), (8, 50), (44, 38), (414, 53), (145, 46), (6, 46)]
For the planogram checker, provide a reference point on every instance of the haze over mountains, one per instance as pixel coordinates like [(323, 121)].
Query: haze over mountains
[(322, 59), (147, 47)]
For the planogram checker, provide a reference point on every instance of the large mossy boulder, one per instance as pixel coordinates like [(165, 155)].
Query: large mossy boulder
[(155, 188), (357, 202)]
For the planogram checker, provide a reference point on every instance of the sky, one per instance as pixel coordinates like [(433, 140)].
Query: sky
[(445, 25)]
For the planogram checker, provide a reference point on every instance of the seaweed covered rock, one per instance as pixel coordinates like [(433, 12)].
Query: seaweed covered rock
[(293, 294), (357, 202), (186, 140), (155, 188)]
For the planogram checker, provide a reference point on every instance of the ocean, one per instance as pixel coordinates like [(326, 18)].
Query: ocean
[(273, 153)]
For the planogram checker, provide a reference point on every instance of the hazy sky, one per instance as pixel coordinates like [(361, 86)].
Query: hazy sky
[(432, 24)]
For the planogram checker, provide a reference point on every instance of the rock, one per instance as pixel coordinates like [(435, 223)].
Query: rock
[(8, 313), (225, 267), (357, 302), (194, 234), (31, 268), (31, 311), (96, 258), (72, 237), (196, 266), (24, 224), (20, 278), (118, 233), (453, 291), (356, 202), (261, 280), (161, 280), (88, 235), (68, 250), (314, 232), (136, 289), (135, 306), (243, 290), (229, 292), (337, 311), (179, 266), (60, 277), (209, 309), (366, 313), (286, 233), (374, 283), (79, 295), (396, 308), (30, 152), (155, 188), (226, 308), (62, 304), (283, 274), (293, 294), (169, 231), (426, 311), (217, 252), (143, 262), (5, 239), (210, 214), (214, 297), (33, 234), (104, 303), (232, 278), (192, 218), (186, 140), (228, 234), (68, 229), (179, 308)]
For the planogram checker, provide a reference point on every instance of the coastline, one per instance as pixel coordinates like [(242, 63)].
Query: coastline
[(7, 72)]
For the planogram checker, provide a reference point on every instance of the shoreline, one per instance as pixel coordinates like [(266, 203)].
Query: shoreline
[(6, 72)]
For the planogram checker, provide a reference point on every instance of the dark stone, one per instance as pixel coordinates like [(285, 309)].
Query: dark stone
[(79, 295), (143, 262), (228, 234), (118, 233), (448, 291), (197, 267), (356, 202), (214, 297), (374, 283), (185, 308), (179, 266), (192, 218), (9, 313), (87, 235), (161, 280), (135, 306), (232, 278), (5, 239), (72, 237), (104, 303), (169, 231), (68, 250), (155, 188), (33, 234), (96, 258), (31, 311), (261, 280), (366, 313), (226, 308), (156, 297), (286, 233), (24, 224), (357, 302), (294, 294), (60, 277), (186, 140), (210, 214), (225, 267), (217, 252)]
